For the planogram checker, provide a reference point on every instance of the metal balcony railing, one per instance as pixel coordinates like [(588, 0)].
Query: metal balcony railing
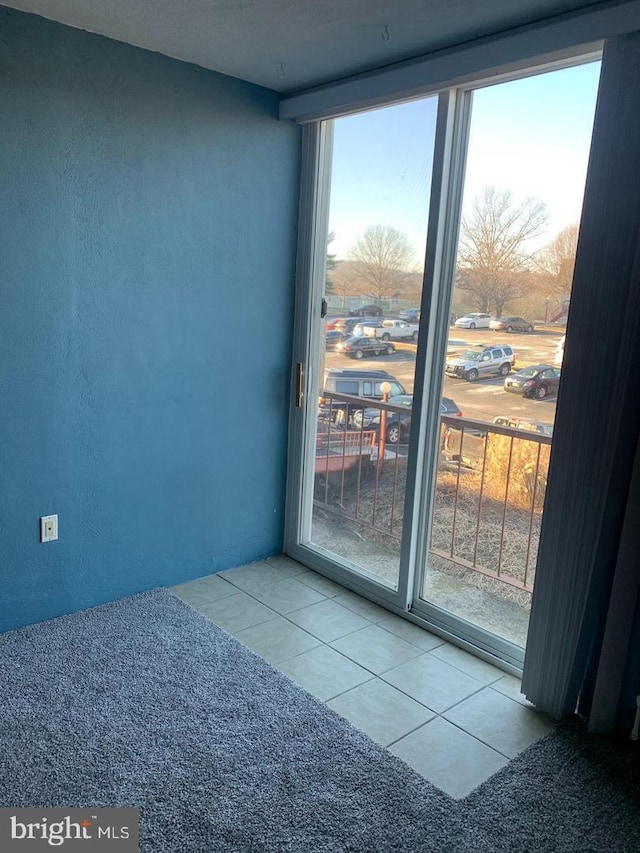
[(487, 498)]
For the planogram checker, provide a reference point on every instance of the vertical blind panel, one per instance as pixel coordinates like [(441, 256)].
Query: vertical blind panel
[(597, 413)]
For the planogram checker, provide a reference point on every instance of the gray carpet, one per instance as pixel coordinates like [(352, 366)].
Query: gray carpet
[(144, 702)]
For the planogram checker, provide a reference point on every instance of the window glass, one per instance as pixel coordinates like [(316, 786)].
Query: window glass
[(344, 386), (524, 176)]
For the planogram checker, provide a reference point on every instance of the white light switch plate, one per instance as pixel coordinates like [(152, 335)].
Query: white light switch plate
[(48, 528)]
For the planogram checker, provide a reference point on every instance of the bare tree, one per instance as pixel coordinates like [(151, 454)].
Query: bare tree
[(345, 281), (382, 257), (330, 264), (555, 262), (492, 253)]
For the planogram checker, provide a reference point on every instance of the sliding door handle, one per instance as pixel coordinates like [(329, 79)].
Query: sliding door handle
[(299, 384)]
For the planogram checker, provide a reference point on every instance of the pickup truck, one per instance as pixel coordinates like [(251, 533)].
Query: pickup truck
[(392, 330)]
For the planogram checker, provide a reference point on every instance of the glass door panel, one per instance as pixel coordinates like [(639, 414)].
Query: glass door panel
[(377, 224), (526, 165)]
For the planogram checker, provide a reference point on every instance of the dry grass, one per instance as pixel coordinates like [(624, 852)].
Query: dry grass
[(514, 469)]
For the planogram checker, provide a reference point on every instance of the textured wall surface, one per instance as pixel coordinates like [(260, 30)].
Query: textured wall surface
[(147, 248)]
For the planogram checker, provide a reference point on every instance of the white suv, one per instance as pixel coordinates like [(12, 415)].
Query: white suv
[(482, 361), (474, 321)]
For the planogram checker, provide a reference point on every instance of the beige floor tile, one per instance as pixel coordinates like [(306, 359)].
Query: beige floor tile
[(324, 672), (449, 758), (288, 567), (510, 686), (204, 590), (477, 668), (375, 649), (237, 612), (254, 577), (277, 640), (288, 595), (328, 621), (362, 606), (499, 722), (324, 585), (432, 682), (413, 634), (381, 711)]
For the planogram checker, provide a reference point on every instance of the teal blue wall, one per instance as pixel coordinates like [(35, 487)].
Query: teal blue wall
[(147, 245)]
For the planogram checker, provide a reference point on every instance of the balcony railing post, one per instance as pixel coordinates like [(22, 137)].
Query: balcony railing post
[(385, 388)]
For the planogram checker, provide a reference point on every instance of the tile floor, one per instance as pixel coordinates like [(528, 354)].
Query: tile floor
[(451, 716)]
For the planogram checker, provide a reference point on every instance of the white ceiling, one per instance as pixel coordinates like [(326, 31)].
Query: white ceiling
[(288, 45)]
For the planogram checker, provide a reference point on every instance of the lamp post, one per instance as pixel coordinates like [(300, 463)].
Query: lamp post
[(385, 387)]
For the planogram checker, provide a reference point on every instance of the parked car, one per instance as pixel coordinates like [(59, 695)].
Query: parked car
[(398, 424), (482, 361), (370, 323), (559, 352), (332, 339), (473, 321), (463, 445), (523, 423), (366, 311), (511, 324), (359, 347), (357, 383), (411, 315), (386, 330), (346, 325), (538, 380)]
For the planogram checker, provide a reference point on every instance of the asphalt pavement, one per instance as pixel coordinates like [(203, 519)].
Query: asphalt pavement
[(485, 399)]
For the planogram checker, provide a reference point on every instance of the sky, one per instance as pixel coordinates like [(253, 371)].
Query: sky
[(529, 136)]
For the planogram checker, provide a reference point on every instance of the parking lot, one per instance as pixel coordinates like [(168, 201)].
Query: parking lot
[(485, 399)]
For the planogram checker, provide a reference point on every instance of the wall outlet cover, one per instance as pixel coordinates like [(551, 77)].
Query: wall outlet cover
[(48, 528)]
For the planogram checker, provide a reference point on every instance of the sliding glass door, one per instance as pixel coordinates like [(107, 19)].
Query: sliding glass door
[(445, 234), (361, 400), (527, 150)]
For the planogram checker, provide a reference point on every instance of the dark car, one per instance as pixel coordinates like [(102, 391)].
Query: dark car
[(366, 311), (511, 324), (356, 383), (411, 315), (332, 339), (538, 381), (398, 424), (346, 325), (358, 347)]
